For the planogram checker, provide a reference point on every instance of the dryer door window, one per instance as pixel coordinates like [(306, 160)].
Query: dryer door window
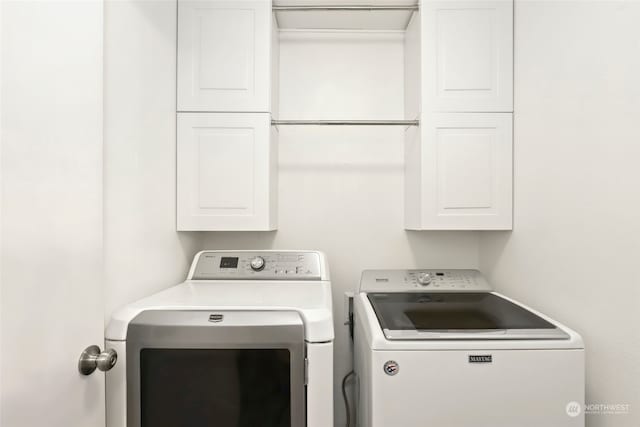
[(215, 387)]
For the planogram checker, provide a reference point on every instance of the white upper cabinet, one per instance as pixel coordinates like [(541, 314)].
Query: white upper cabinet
[(458, 79), (466, 55), (227, 175), (226, 96), (459, 84), (225, 55), (459, 172)]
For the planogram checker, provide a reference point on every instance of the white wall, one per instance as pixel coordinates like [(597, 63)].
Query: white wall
[(341, 188), (574, 250), (143, 252)]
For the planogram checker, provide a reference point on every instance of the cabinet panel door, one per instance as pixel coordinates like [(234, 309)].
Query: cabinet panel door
[(468, 55), (467, 171), (224, 55), (226, 172)]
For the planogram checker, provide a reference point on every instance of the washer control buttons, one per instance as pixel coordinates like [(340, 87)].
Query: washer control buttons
[(257, 263), (425, 279)]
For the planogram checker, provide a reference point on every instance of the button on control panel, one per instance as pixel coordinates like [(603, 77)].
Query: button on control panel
[(264, 265), (257, 263), (424, 279), (440, 279), (427, 280)]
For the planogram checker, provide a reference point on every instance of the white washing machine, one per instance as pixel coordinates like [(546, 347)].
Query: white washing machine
[(246, 340), (439, 348)]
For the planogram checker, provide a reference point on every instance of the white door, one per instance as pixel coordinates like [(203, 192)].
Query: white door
[(51, 212)]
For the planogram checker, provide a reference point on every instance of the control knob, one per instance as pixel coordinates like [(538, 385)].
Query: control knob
[(257, 263), (425, 279)]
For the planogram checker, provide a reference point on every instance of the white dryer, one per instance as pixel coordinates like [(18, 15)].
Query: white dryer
[(439, 348), (246, 340)]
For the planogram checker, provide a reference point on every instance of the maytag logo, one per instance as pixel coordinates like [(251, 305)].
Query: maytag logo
[(216, 318), (483, 358)]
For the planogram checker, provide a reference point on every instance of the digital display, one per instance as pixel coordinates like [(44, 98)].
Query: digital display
[(229, 262)]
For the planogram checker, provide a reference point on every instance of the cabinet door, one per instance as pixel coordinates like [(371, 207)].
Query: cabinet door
[(224, 55), (226, 172), (465, 172), (467, 50)]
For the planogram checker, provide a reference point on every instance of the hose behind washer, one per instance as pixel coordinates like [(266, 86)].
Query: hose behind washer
[(346, 399)]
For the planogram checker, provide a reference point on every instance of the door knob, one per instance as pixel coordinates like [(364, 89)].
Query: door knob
[(91, 358)]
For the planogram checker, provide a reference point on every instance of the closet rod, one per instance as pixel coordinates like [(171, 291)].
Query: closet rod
[(345, 7), (345, 122)]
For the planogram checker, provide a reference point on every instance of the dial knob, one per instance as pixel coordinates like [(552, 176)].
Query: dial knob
[(425, 279), (257, 263)]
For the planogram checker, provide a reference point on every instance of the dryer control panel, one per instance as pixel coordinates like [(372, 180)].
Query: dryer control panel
[(427, 280), (257, 265)]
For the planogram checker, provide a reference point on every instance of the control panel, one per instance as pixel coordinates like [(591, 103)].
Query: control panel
[(257, 265), (427, 280)]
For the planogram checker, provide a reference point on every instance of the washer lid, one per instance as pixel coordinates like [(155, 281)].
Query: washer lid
[(457, 316)]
